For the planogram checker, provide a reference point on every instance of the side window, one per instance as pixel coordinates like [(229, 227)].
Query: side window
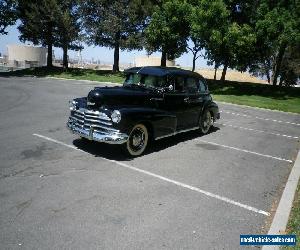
[(203, 87), (161, 82), (179, 83), (192, 85), (133, 79), (150, 81)]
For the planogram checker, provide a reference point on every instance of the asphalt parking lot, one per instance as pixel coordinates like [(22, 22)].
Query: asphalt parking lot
[(186, 192)]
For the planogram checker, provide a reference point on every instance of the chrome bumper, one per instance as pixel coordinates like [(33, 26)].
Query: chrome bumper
[(91, 134)]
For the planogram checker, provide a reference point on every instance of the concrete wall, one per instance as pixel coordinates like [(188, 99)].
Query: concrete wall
[(151, 61), (24, 55)]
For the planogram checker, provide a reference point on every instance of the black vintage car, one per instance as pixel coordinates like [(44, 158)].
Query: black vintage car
[(153, 103)]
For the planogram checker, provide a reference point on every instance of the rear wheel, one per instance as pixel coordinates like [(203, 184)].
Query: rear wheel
[(206, 122), (138, 140)]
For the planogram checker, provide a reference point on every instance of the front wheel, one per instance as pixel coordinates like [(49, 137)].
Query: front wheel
[(137, 141), (206, 122)]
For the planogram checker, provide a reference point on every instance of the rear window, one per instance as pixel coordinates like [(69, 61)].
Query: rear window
[(203, 86)]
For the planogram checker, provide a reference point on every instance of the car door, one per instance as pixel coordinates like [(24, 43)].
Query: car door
[(194, 101), (175, 102)]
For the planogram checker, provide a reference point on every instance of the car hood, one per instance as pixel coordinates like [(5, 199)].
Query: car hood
[(118, 96)]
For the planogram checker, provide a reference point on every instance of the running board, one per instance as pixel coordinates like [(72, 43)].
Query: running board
[(175, 133)]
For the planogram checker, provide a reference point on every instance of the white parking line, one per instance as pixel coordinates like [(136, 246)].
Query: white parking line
[(258, 131), (250, 107), (244, 150), (180, 184), (260, 118)]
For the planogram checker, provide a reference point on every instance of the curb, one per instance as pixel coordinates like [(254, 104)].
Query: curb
[(89, 81), (246, 106), (281, 217)]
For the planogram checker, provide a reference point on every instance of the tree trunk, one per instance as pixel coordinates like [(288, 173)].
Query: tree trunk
[(268, 76), (65, 56), (163, 61), (49, 45), (281, 81), (277, 65), (194, 61), (224, 72), (49, 56), (267, 71), (117, 53), (216, 69)]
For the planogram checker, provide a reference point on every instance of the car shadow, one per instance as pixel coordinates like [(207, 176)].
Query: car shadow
[(115, 152)]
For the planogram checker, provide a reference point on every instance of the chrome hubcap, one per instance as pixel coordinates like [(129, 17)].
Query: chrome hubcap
[(137, 139)]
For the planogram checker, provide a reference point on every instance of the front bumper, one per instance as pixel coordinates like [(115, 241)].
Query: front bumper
[(93, 135)]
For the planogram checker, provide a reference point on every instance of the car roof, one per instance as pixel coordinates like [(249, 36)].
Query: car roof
[(162, 71)]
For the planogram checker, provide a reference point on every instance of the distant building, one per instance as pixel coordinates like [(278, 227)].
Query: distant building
[(24, 56), (151, 61)]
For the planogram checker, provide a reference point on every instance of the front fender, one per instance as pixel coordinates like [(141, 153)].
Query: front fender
[(159, 122)]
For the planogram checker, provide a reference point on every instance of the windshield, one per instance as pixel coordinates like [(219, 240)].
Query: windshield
[(148, 81)]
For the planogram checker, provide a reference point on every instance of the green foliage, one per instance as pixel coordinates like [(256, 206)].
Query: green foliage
[(168, 29), (257, 95), (8, 15), (71, 73), (103, 19), (50, 23), (69, 27), (115, 24), (261, 36), (227, 39), (68, 24), (38, 19), (278, 31)]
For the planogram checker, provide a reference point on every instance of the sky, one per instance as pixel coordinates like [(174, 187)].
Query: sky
[(98, 53)]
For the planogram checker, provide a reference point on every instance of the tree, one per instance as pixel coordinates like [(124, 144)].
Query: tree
[(195, 49), (277, 29), (224, 32), (115, 24), (38, 23), (262, 68), (8, 14), (290, 69), (209, 23), (50, 23), (69, 28), (168, 30)]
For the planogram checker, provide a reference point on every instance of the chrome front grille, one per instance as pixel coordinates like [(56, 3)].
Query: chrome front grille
[(87, 119)]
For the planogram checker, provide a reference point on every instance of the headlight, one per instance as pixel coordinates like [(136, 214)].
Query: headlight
[(72, 105), (116, 116)]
